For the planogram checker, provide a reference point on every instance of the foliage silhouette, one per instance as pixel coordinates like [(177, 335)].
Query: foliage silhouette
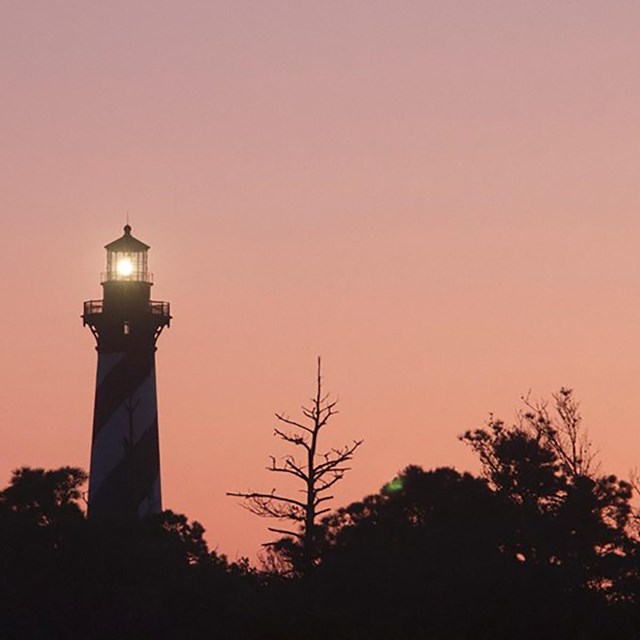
[(63, 576), (567, 516), (541, 544)]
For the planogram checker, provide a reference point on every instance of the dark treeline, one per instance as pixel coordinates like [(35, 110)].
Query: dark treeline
[(541, 544)]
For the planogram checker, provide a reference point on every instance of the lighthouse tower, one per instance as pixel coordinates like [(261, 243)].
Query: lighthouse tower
[(124, 479)]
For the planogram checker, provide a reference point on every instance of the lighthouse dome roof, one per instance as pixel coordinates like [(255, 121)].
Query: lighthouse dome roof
[(127, 243)]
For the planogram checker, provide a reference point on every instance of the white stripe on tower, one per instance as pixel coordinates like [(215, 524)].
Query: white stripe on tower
[(109, 445), (125, 458)]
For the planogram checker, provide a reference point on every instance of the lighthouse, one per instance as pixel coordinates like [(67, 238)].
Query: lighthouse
[(124, 478)]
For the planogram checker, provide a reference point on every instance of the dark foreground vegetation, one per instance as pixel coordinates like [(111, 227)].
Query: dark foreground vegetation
[(542, 544)]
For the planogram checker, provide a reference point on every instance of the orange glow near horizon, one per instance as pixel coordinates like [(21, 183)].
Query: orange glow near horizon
[(440, 199)]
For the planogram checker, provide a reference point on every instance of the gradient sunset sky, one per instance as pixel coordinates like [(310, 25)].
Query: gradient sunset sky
[(442, 199)]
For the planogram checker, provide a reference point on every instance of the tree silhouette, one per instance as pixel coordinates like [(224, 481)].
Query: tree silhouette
[(316, 472), (63, 576), (541, 544), (566, 516), (406, 562), (44, 495), (538, 547), (553, 437)]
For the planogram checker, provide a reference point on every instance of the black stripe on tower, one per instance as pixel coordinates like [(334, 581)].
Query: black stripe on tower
[(134, 480), (119, 385)]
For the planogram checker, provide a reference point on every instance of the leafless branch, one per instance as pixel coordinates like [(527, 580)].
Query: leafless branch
[(329, 483), (290, 467), (293, 438), (317, 474), (564, 434), (286, 533), (266, 496), (293, 423)]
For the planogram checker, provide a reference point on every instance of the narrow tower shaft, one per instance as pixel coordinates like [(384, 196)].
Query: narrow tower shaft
[(124, 479)]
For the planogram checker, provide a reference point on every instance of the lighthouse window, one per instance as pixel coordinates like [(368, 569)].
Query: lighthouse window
[(125, 328), (127, 266)]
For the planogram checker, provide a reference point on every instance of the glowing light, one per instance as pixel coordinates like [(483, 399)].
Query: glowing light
[(125, 267), (395, 485)]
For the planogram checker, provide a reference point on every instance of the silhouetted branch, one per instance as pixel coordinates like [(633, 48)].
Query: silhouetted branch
[(290, 467), (331, 464), (318, 473), (268, 505), (294, 439), (285, 532), (293, 423), (326, 485), (565, 436)]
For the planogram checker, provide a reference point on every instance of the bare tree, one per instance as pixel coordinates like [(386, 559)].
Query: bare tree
[(563, 433), (316, 472)]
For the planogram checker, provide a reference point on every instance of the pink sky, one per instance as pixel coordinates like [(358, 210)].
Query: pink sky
[(439, 198)]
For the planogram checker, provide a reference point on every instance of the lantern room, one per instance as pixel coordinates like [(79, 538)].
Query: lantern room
[(126, 311), (127, 260)]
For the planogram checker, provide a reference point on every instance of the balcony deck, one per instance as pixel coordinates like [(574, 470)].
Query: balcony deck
[(156, 308)]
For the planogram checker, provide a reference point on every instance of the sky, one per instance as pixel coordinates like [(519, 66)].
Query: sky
[(440, 199)]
